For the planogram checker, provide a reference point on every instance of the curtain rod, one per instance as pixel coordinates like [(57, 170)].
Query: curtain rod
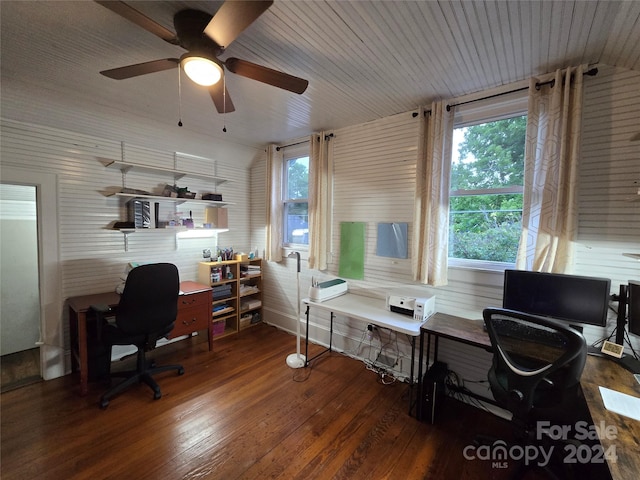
[(424, 113), (592, 72), (290, 145), (326, 137)]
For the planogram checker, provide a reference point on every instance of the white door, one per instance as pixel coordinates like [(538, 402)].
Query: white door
[(54, 360), (19, 286)]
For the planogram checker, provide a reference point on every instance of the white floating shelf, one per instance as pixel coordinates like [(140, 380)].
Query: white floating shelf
[(126, 167), (176, 200), (179, 232)]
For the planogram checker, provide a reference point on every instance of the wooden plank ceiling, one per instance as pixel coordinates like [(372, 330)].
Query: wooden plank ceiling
[(364, 59)]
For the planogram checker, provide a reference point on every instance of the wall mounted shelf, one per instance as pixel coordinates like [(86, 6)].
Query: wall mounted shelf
[(156, 231), (179, 232), (176, 200), (126, 167)]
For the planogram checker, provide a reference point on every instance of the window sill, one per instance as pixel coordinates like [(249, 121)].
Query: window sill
[(488, 274), (480, 265)]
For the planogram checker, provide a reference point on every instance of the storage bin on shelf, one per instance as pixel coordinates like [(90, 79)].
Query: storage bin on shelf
[(218, 328)]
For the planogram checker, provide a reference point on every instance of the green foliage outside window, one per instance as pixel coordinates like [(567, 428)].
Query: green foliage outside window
[(296, 217), (298, 178), (486, 225)]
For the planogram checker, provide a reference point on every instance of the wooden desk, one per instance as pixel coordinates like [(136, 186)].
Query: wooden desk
[(194, 313), (597, 372), (463, 330), (607, 373)]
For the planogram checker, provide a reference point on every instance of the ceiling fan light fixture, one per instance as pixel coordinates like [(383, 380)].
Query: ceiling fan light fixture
[(200, 69)]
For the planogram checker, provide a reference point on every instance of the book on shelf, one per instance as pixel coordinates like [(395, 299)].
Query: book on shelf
[(221, 291), (249, 289), (222, 308), (250, 304), (250, 268)]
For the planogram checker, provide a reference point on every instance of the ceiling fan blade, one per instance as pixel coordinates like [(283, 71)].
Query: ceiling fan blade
[(129, 71), (266, 75), (141, 20), (218, 93), (232, 18)]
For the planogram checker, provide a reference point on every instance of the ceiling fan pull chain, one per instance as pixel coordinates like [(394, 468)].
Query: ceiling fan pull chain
[(224, 102), (179, 96)]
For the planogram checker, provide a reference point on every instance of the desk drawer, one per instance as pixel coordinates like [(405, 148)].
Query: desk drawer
[(190, 320), (193, 299)]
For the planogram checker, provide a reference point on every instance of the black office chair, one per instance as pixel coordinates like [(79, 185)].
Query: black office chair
[(146, 312), (535, 374)]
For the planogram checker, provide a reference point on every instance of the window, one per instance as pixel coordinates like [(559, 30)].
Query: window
[(296, 200), (485, 200)]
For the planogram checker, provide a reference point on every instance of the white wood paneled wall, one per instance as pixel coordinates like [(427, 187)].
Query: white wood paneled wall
[(86, 212), (92, 255), (610, 176), (374, 178), (374, 170), (609, 219)]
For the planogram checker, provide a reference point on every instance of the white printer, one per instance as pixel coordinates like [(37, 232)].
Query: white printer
[(419, 308)]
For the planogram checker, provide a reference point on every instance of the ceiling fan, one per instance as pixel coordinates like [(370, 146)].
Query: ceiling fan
[(205, 37)]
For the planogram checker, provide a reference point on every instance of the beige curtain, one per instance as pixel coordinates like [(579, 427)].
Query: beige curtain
[(274, 204), (431, 214), (549, 216), (319, 200)]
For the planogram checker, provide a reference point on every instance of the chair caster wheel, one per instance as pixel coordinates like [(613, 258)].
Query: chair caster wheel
[(157, 395), (181, 371), (104, 404)]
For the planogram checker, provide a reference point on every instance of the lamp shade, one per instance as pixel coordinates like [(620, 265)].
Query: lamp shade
[(201, 70)]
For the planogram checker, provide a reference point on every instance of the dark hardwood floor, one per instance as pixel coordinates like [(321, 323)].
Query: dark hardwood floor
[(20, 369), (239, 413)]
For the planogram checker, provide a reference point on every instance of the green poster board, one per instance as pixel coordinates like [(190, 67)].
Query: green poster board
[(352, 250)]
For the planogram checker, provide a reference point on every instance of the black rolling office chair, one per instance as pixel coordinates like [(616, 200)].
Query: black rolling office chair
[(146, 312), (535, 374)]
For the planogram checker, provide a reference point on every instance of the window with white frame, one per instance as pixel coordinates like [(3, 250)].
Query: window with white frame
[(487, 172), (295, 193)]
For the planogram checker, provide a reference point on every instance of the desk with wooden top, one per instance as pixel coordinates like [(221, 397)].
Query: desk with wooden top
[(598, 372), (194, 314), (603, 372)]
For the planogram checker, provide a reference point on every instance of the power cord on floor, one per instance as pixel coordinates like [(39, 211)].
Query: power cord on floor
[(377, 364), (384, 376), (302, 374), (457, 389)]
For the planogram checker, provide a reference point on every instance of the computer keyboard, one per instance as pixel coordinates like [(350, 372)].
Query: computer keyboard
[(529, 333)]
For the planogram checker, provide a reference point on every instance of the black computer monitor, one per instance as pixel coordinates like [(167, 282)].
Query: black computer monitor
[(633, 307), (570, 298)]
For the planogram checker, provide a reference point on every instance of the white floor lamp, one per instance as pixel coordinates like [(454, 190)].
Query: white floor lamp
[(296, 360)]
